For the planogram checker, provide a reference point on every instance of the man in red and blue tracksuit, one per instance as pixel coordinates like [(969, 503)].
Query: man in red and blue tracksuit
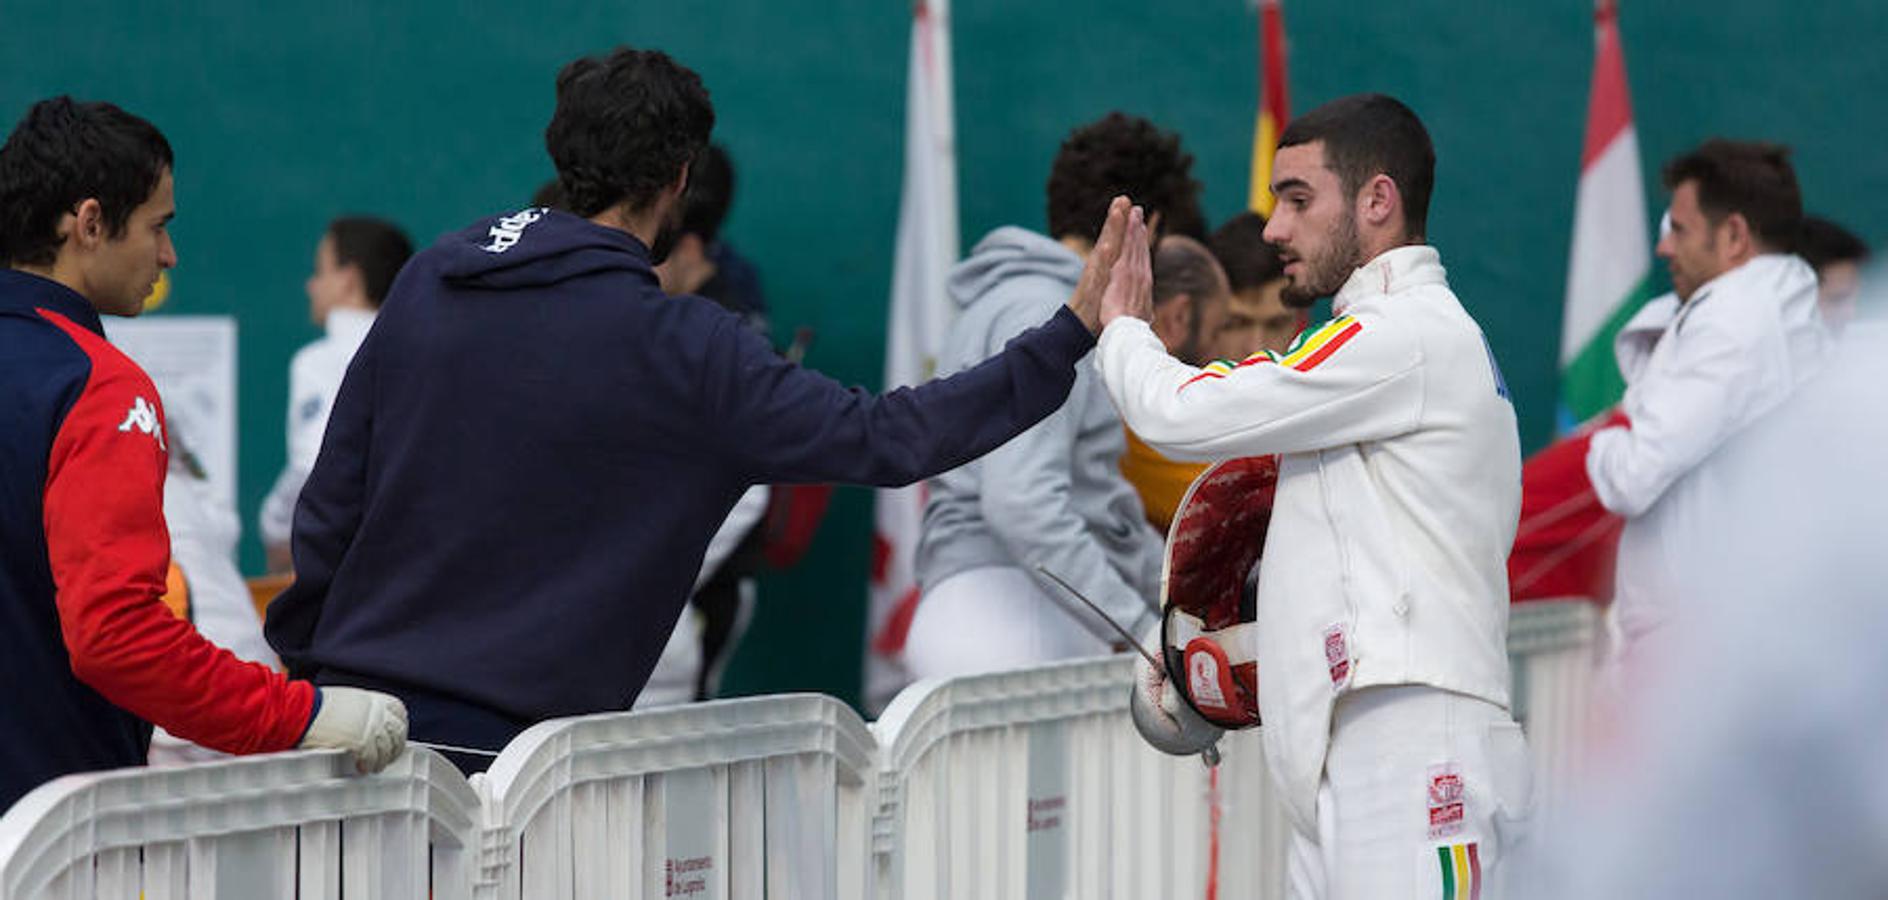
[(89, 655)]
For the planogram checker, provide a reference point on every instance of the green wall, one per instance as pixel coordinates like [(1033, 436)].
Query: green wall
[(431, 113)]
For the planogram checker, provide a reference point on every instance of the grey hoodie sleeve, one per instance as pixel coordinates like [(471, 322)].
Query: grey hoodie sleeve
[(1027, 501)]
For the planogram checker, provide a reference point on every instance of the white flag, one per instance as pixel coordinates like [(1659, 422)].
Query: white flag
[(920, 315)]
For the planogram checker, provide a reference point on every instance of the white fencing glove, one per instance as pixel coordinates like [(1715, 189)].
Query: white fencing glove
[(368, 724), (1165, 720)]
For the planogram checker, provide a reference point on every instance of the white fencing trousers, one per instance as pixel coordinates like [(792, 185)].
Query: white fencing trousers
[(1425, 792), (990, 619)]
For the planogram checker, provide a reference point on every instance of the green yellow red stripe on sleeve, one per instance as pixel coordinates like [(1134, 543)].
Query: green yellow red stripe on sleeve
[(1306, 353)]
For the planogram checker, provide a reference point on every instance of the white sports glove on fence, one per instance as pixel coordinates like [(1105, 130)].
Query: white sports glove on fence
[(368, 724)]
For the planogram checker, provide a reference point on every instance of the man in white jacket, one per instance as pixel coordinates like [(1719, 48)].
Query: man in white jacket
[(1737, 335), (1382, 598)]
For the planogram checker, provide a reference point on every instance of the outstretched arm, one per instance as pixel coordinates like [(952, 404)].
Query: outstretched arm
[(783, 423)]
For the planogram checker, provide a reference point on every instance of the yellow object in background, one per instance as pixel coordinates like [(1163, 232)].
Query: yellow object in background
[(160, 292), (1160, 481)]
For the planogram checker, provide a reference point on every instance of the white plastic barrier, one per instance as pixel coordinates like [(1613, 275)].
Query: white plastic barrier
[(760, 797), (1033, 784), (1555, 652), (289, 825), (1027, 784)]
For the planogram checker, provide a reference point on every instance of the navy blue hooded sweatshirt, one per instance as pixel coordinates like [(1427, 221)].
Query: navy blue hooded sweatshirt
[(532, 448)]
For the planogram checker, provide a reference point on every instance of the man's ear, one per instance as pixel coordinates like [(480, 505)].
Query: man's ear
[(1379, 203), (87, 223), (1173, 317), (680, 186), (1735, 231)]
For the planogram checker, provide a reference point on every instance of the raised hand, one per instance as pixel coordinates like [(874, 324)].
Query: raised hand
[(1130, 287), (1086, 301)]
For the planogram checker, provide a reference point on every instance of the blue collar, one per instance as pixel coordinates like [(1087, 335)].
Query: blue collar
[(21, 292)]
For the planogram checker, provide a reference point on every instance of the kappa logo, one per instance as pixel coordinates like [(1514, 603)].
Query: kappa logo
[(510, 228), (143, 417)]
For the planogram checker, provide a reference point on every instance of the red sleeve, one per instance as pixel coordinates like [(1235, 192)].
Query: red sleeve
[(110, 553)]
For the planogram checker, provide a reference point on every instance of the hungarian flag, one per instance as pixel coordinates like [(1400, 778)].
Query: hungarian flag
[(1274, 107), (1566, 541), (1610, 273), (920, 315)]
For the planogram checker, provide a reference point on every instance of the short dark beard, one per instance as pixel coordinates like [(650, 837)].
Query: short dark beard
[(1326, 275)]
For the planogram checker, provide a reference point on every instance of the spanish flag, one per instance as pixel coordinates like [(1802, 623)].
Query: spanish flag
[(1274, 108)]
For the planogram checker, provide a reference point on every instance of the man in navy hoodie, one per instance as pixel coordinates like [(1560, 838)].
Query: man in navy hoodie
[(533, 446)]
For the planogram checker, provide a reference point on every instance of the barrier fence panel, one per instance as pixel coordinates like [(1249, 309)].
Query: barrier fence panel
[(1555, 652), (287, 825), (737, 799), (1034, 784), (1026, 784)]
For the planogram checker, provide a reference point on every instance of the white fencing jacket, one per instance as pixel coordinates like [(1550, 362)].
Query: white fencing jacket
[(314, 378), (1697, 373), (1398, 495)]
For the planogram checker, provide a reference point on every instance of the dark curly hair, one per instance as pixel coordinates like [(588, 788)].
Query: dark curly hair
[(62, 153), (625, 126), (1121, 154)]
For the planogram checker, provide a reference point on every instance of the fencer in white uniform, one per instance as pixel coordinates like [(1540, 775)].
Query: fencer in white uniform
[(1382, 608)]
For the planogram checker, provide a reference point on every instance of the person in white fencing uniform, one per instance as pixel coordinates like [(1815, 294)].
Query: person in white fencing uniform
[(355, 264), (1382, 607), (1736, 337)]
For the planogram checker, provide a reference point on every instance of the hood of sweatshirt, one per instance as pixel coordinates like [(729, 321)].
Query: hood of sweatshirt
[(1006, 254), (535, 247)]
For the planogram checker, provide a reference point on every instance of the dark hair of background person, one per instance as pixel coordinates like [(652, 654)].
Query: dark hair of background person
[(1751, 178), (1240, 247), (1183, 265), (378, 247), (710, 194), (550, 195), (1121, 154), (626, 125), (62, 153), (1366, 135), (1821, 242)]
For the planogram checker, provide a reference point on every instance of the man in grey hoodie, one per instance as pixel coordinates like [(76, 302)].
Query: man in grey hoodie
[(1053, 497)]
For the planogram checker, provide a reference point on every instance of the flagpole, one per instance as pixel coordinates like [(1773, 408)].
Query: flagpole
[(920, 314)]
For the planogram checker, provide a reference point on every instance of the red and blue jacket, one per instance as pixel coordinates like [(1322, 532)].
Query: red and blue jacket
[(89, 655)]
